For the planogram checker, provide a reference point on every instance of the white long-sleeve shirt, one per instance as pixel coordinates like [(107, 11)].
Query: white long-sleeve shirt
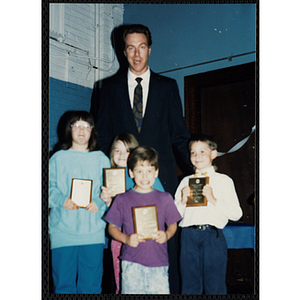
[(132, 83), (226, 208)]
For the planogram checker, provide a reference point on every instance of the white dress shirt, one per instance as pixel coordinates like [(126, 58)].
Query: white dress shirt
[(227, 206), (132, 83)]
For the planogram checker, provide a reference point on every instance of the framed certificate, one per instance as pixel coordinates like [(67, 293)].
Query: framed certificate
[(145, 220), (115, 180), (81, 191), (196, 186)]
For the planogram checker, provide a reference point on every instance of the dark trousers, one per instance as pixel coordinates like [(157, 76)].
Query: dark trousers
[(77, 269), (203, 261)]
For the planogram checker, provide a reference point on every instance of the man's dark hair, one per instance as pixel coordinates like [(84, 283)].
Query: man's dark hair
[(141, 154), (137, 28)]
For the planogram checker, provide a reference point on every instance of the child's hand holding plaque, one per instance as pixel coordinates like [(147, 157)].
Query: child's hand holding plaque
[(196, 197), (145, 221), (81, 192), (115, 180)]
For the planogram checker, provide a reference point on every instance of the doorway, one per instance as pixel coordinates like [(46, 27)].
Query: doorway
[(222, 103)]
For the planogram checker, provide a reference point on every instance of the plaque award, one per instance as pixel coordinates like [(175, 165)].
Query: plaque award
[(145, 220), (196, 197), (81, 191), (115, 180)]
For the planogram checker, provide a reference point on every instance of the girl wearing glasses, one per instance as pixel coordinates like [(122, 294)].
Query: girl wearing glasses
[(77, 235)]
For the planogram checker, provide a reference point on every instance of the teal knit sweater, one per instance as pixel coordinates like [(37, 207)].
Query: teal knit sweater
[(75, 227)]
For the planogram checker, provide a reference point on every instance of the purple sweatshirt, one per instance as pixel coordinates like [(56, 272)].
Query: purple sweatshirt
[(150, 253)]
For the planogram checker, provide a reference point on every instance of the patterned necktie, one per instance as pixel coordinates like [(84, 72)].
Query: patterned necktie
[(138, 104)]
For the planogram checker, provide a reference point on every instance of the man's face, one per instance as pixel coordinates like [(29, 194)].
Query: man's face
[(137, 52)]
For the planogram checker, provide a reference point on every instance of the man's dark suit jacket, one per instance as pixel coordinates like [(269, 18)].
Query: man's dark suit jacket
[(163, 127)]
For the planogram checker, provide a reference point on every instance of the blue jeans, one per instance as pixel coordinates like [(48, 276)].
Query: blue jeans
[(77, 269), (138, 279), (203, 261)]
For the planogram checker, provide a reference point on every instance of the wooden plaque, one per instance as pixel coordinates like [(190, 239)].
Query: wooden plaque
[(145, 220), (196, 186), (115, 180), (81, 191)]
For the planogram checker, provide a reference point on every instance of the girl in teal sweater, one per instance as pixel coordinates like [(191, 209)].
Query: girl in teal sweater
[(77, 235)]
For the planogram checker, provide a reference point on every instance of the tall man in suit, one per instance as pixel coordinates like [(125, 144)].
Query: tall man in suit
[(162, 124)]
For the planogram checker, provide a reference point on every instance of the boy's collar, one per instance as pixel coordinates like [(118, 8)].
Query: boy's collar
[(206, 172), (134, 189)]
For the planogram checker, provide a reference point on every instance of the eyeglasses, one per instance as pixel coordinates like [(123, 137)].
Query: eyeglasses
[(77, 126)]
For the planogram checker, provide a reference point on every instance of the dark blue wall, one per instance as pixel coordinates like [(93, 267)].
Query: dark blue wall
[(183, 35), (188, 34), (65, 96)]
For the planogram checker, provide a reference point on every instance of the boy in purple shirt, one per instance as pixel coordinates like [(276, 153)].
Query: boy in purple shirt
[(144, 262)]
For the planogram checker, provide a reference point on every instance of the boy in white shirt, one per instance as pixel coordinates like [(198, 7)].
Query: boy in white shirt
[(203, 257)]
